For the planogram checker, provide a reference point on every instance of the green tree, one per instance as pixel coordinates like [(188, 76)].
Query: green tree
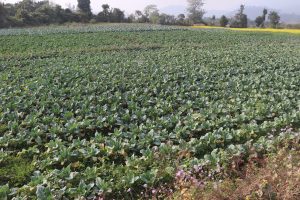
[(195, 10), (60, 14), (140, 17), (69, 16), (24, 17), (10, 9), (224, 21), (240, 19), (213, 20), (131, 18), (44, 14), (104, 15), (27, 5), (85, 12), (265, 12), (28, 12), (274, 19), (117, 15), (106, 12), (3, 16), (260, 20), (181, 17), (24, 13), (84, 6), (152, 13), (166, 19)]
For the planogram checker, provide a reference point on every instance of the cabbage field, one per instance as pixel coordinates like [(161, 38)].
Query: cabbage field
[(116, 112)]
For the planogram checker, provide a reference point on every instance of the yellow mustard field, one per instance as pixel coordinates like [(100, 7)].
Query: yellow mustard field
[(294, 31), (208, 27)]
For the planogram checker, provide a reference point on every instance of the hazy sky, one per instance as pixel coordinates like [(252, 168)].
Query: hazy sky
[(228, 5)]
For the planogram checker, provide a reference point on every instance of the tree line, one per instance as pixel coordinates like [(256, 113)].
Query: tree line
[(35, 13), (240, 20)]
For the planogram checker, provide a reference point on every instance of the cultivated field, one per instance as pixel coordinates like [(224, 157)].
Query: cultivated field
[(121, 111)]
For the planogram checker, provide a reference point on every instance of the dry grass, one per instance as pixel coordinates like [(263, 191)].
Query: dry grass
[(274, 177)]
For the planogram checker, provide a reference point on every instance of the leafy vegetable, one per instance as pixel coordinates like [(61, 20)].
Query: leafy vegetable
[(96, 113)]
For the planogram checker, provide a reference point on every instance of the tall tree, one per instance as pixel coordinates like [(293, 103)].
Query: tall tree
[(152, 13), (265, 12), (3, 15), (84, 7), (117, 15), (27, 5), (104, 15), (260, 20), (213, 20), (140, 17), (274, 19), (181, 19), (166, 19), (240, 19), (195, 10), (131, 18), (29, 12), (138, 13), (105, 8), (224, 21)]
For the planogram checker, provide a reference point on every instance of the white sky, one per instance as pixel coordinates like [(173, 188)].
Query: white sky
[(228, 5)]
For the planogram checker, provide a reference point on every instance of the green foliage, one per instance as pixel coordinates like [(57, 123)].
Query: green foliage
[(4, 192), (117, 15), (224, 21), (265, 12), (195, 10), (240, 20), (107, 110), (3, 15), (152, 13), (84, 7), (181, 18), (36, 13), (165, 19), (110, 15), (15, 170), (274, 19), (261, 19), (43, 193), (31, 13)]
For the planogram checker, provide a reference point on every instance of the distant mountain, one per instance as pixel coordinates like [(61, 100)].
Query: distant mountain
[(251, 11), (290, 18)]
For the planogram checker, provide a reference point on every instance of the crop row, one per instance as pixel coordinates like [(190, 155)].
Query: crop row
[(107, 119), (86, 28)]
